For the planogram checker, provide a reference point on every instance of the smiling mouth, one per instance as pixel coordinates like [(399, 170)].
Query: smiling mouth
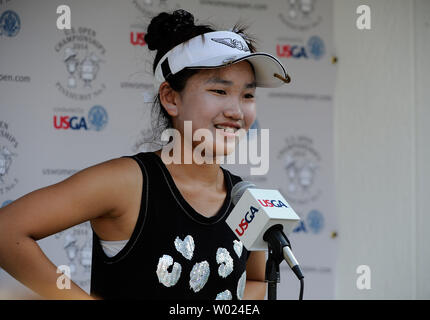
[(227, 129)]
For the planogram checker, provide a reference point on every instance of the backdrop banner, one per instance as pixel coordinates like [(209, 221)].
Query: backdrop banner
[(70, 99)]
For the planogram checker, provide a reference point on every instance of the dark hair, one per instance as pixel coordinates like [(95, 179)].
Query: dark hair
[(166, 31)]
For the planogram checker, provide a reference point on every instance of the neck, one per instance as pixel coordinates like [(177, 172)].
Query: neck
[(205, 175)]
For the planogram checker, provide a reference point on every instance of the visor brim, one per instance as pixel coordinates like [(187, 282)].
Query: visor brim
[(265, 65)]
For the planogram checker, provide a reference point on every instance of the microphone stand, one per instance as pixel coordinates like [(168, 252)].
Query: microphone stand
[(273, 276), (277, 241)]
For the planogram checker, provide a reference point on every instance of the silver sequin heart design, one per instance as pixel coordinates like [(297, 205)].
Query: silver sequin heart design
[(226, 262), (185, 247), (241, 286), (225, 295), (199, 275), (238, 247), (165, 277)]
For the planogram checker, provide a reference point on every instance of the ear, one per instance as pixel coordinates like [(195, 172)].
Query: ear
[(168, 99)]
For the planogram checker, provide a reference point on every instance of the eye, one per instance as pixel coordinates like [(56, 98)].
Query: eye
[(218, 91), (249, 96)]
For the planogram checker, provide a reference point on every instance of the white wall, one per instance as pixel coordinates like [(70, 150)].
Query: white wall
[(381, 148), (422, 100)]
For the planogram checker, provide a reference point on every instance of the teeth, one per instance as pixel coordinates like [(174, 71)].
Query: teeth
[(226, 129)]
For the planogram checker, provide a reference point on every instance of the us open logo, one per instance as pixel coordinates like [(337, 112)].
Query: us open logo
[(82, 57), (76, 253), (8, 155), (301, 162), (301, 15)]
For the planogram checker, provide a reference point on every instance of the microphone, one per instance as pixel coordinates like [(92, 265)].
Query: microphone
[(261, 219)]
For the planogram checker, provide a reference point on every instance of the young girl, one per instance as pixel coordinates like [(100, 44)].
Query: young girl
[(159, 228)]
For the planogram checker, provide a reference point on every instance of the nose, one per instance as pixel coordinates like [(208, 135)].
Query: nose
[(234, 111)]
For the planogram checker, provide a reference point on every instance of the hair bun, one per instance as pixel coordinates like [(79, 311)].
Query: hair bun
[(161, 31)]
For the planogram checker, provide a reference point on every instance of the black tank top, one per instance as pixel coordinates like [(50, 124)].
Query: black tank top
[(174, 252)]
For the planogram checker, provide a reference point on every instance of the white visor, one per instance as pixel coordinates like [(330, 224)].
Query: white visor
[(218, 49)]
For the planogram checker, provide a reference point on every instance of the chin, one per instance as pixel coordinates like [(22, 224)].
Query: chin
[(210, 151), (225, 149)]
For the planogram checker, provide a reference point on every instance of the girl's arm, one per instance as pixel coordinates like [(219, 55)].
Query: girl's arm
[(255, 288), (98, 191)]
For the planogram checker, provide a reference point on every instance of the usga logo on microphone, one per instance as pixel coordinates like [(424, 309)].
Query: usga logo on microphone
[(272, 203), (250, 214)]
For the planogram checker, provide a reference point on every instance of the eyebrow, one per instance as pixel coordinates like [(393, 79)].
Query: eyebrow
[(229, 83)]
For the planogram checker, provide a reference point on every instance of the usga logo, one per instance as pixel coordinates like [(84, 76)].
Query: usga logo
[(250, 214), (314, 222), (10, 24), (137, 38), (272, 203), (315, 49), (96, 120)]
